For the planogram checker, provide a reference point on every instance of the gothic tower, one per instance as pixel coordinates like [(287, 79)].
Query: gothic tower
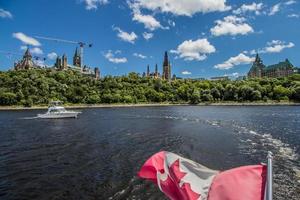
[(77, 58), (58, 63), (166, 68), (257, 68), (148, 71), (156, 71), (97, 73), (64, 62)]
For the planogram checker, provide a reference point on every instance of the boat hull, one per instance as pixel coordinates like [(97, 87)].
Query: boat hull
[(58, 115)]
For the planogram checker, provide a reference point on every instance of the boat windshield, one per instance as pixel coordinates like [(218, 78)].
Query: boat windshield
[(56, 110)]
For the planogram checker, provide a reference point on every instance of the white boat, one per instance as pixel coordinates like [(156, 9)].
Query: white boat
[(56, 111)]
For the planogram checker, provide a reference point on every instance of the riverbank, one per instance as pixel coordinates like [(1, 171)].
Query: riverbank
[(78, 106)]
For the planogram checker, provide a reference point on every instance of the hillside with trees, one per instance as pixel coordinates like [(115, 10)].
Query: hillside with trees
[(40, 86)]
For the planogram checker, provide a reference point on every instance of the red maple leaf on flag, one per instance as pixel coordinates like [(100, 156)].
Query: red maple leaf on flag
[(174, 187)]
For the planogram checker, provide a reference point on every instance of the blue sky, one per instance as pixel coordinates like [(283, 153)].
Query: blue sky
[(204, 38)]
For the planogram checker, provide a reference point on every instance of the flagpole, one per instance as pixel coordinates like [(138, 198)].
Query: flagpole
[(269, 195)]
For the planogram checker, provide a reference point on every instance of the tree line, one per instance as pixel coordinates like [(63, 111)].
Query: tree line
[(40, 86)]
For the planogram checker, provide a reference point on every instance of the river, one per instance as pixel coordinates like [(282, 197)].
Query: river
[(97, 155)]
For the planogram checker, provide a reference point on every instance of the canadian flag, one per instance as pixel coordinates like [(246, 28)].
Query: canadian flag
[(183, 179)]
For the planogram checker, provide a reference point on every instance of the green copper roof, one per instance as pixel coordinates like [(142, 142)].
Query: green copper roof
[(281, 65)]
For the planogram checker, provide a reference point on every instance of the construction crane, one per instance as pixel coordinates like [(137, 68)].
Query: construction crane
[(81, 44)]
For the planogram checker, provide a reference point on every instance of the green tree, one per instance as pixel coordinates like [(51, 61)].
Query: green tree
[(8, 98), (195, 97)]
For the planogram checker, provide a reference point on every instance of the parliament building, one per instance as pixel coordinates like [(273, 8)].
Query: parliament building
[(26, 62), (61, 64), (166, 75), (282, 69)]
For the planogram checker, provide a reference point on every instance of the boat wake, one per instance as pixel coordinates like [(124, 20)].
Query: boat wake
[(254, 145), (286, 160), (29, 118)]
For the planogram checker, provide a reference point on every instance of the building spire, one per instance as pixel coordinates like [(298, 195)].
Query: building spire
[(27, 53), (166, 59), (76, 52), (257, 59), (166, 67), (148, 71), (77, 58)]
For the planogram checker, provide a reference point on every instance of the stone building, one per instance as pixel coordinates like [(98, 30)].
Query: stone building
[(154, 74), (166, 68), (61, 63), (259, 70), (77, 58), (166, 75), (97, 73), (26, 62)]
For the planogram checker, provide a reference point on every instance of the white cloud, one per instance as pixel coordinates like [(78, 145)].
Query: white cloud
[(235, 74), (180, 7), (275, 46), (240, 59), (186, 73), (275, 9), (147, 36), (231, 25), (36, 50), (293, 16), (26, 39), (93, 4), (5, 14), (40, 63), (194, 50), (148, 20), (52, 56), (254, 7), (290, 2), (127, 37), (110, 56), (140, 55)]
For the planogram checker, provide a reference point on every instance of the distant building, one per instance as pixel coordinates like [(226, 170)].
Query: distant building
[(97, 73), (77, 58), (166, 68), (148, 71), (259, 70), (26, 62), (174, 77), (154, 74), (166, 75), (61, 63), (220, 78)]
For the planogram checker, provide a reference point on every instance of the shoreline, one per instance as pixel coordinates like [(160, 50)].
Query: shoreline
[(154, 105)]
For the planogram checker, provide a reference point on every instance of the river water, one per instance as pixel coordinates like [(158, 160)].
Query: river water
[(98, 155)]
